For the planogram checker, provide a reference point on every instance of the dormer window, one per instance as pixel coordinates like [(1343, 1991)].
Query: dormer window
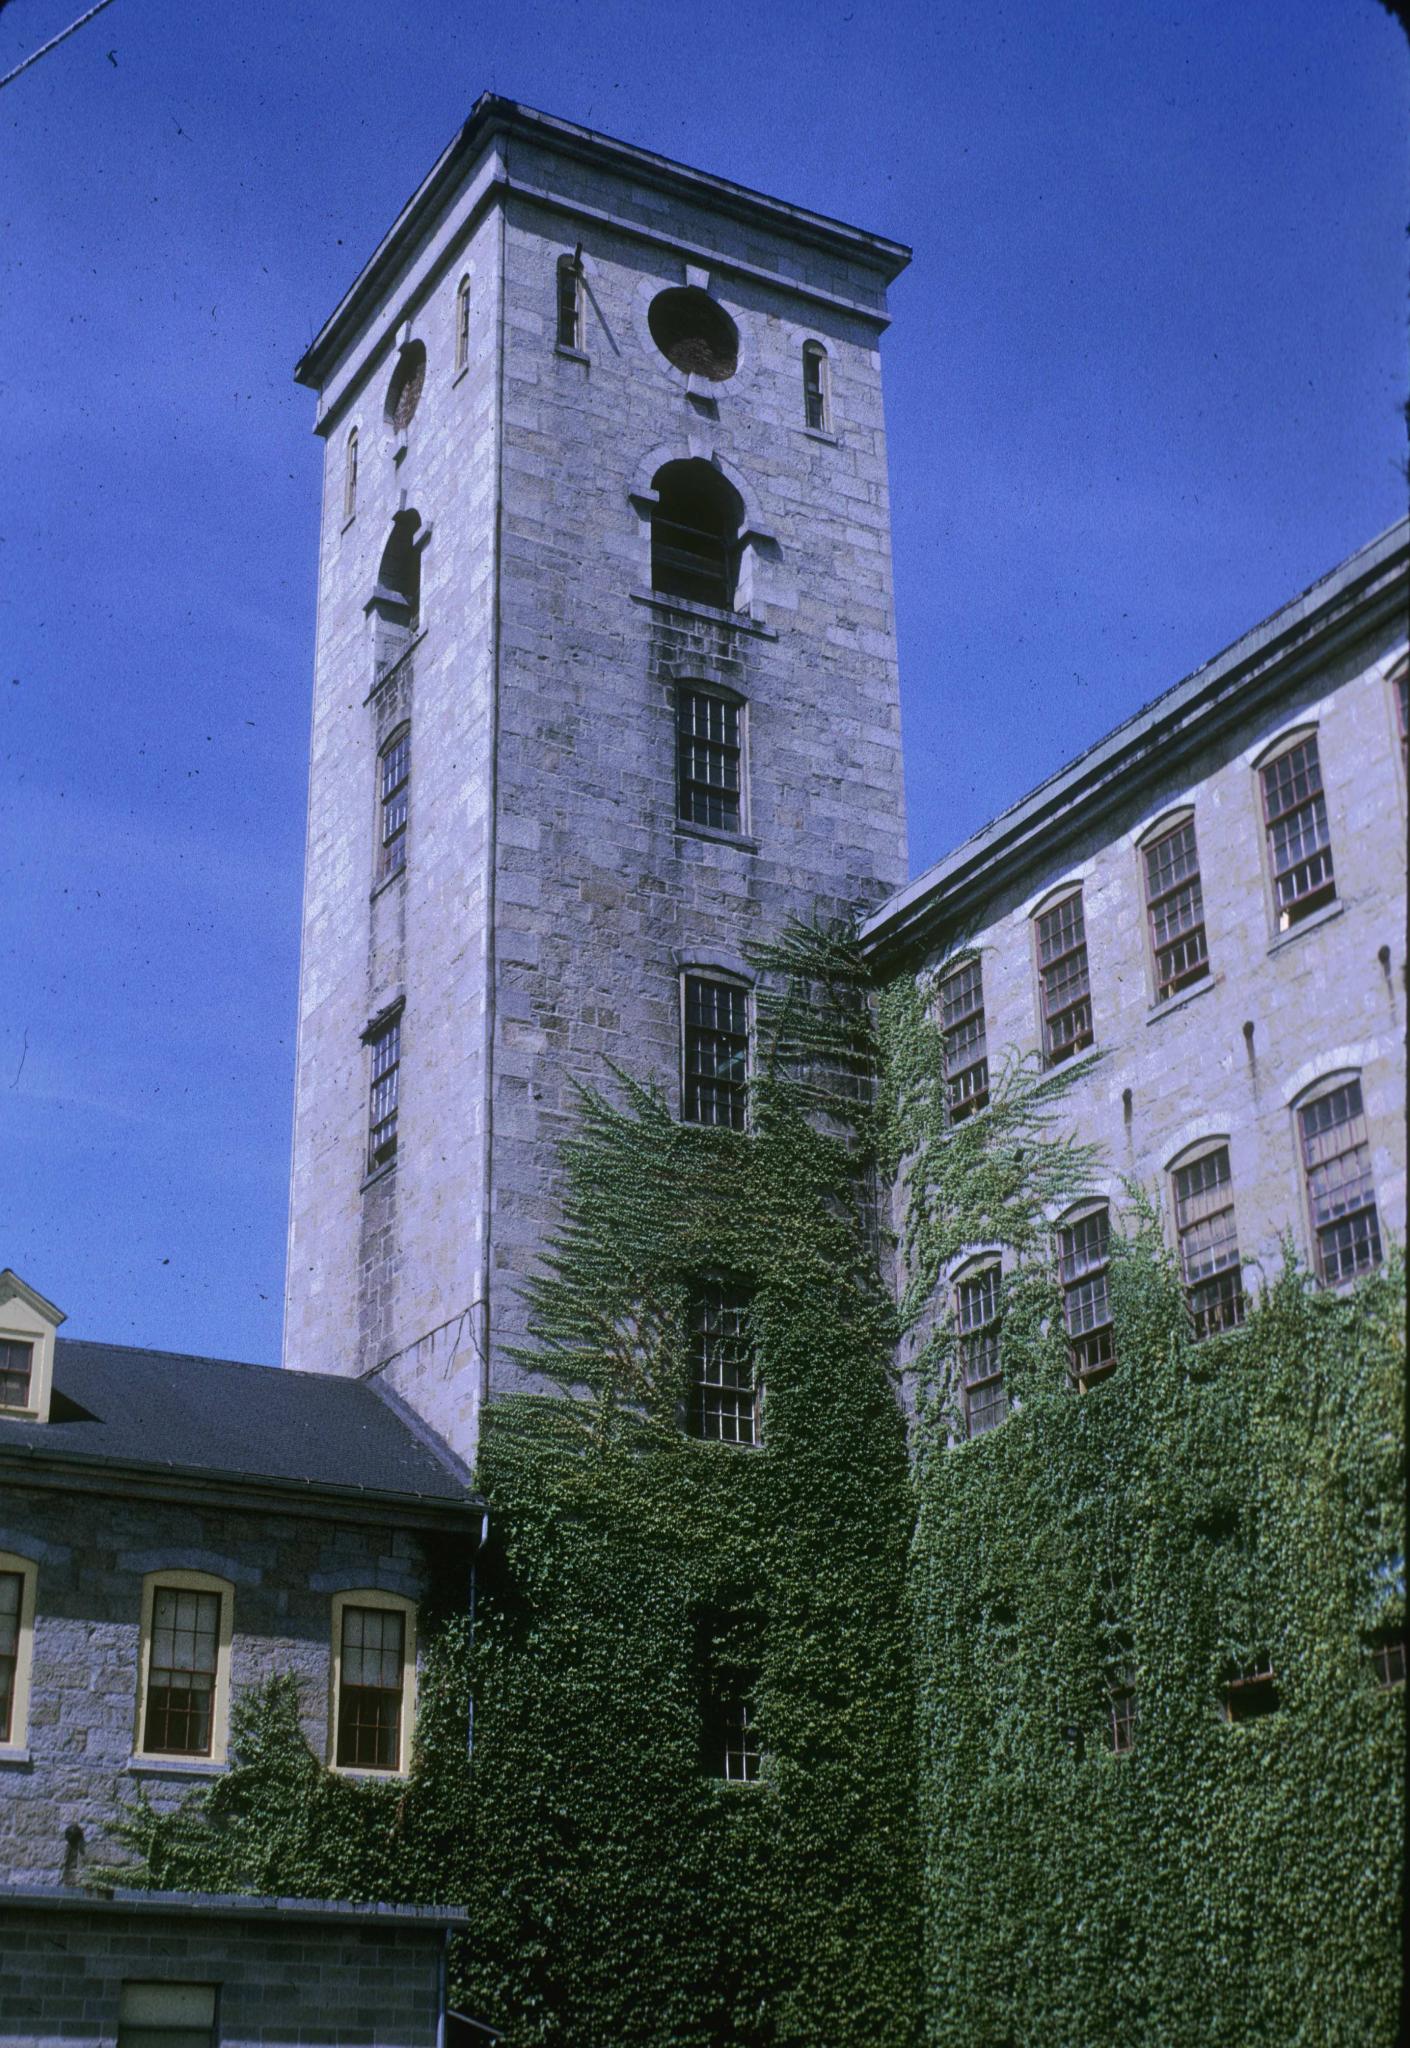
[(27, 1326)]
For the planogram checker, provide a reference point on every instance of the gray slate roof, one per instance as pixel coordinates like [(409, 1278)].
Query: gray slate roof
[(169, 1412)]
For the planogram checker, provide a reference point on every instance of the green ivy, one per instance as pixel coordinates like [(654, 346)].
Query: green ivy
[(940, 1847)]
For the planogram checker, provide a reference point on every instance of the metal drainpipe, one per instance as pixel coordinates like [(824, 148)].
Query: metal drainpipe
[(442, 1987), (491, 837)]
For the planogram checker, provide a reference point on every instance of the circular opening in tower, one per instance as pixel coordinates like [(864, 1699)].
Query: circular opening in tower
[(404, 391), (694, 333)]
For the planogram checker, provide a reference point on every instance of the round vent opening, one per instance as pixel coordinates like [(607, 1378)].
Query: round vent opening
[(694, 333), (404, 391)]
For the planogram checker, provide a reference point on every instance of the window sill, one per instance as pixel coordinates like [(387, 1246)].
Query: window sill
[(689, 608), (686, 829), (380, 888), (819, 434), (175, 1767), (366, 1775), (571, 355), (16, 1759), (1181, 997), (1313, 922), (370, 1180)]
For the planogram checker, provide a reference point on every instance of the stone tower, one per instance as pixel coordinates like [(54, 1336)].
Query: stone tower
[(605, 691)]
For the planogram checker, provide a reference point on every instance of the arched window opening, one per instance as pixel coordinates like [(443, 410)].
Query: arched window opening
[(404, 391), (695, 534), (350, 476), (462, 323), (815, 407), (396, 598), (570, 302)]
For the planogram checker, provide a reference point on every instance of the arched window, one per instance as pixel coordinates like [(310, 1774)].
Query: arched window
[(396, 598), (981, 1365), (570, 302), (815, 391), (1335, 1149), (350, 475), (1175, 907), (1210, 1266), (1083, 1259), (1296, 832), (462, 323), (695, 534)]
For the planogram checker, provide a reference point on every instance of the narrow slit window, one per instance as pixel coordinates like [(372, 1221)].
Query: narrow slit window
[(815, 394), (1064, 984), (709, 757), (965, 1040), (570, 302), (386, 1089), (1401, 688), (1341, 1195), (350, 476), (1209, 1243), (462, 323), (724, 1401), (16, 1372), (1175, 910), (1299, 842), (1083, 1260), (981, 1366), (371, 1688), (393, 801), (716, 1052), (182, 1671)]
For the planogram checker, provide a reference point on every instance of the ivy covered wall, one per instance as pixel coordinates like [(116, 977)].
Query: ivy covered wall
[(940, 1846)]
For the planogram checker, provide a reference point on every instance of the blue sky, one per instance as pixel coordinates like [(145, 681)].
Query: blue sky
[(1142, 386)]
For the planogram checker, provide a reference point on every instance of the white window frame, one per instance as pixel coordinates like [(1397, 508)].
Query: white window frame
[(16, 1743), (1286, 743), (179, 1579), (27, 1318), (388, 1603)]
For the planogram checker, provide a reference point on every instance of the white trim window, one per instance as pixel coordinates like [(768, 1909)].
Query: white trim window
[(16, 1372), (1083, 1262), (981, 1364), (183, 1707), (18, 1576), (724, 1387), (372, 1693), (1208, 1236), (1341, 1194), (1296, 832), (716, 1052)]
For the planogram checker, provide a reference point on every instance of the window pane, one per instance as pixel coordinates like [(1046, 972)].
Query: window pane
[(1082, 1268), (11, 1596), (965, 1040), (16, 1367), (716, 1052), (371, 1677), (708, 761), (386, 1072), (181, 1672)]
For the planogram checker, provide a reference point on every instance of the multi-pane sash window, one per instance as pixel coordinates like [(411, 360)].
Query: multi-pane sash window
[(11, 1605), (1063, 980), (1121, 1703), (371, 1680), (394, 794), (1299, 843), (16, 1372), (386, 1070), (1083, 1249), (716, 1052), (977, 1318), (739, 1740), (181, 1672), (1175, 910), (708, 755), (966, 1045), (724, 1404), (1336, 1159), (1209, 1243)]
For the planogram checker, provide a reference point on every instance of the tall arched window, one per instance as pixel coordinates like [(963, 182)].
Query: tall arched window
[(462, 323), (350, 475), (396, 598), (815, 392), (695, 534)]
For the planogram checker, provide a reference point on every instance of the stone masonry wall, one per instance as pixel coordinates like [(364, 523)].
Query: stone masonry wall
[(93, 1553), (1327, 995), (300, 1980)]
